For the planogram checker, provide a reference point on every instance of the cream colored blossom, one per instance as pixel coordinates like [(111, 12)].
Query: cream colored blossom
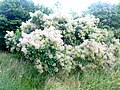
[(24, 50), (10, 33)]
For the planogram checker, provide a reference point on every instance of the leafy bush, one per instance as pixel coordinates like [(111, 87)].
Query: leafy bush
[(116, 33), (3, 25), (58, 43)]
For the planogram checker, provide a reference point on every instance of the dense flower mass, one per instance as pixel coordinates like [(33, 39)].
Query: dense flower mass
[(60, 43), (39, 39), (12, 39)]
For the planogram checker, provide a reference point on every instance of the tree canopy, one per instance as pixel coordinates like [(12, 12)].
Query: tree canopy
[(108, 14)]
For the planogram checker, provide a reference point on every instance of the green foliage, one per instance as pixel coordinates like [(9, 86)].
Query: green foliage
[(17, 9), (17, 74), (104, 12), (45, 10), (108, 14), (12, 13), (116, 32), (3, 25)]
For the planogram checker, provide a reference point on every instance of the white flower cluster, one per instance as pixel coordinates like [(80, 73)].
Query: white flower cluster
[(28, 26), (40, 38), (95, 52), (58, 42), (11, 42), (65, 61), (92, 54), (101, 35), (86, 22), (9, 34)]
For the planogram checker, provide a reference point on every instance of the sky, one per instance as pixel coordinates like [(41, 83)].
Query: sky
[(75, 5)]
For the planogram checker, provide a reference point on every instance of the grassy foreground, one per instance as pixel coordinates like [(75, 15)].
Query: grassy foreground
[(16, 74)]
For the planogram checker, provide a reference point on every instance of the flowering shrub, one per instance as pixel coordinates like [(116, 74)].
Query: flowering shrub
[(92, 52), (45, 47), (59, 43), (12, 39)]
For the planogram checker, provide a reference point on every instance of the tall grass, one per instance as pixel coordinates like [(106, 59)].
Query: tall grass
[(16, 74)]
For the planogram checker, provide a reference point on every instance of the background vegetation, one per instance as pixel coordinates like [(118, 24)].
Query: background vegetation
[(108, 14)]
